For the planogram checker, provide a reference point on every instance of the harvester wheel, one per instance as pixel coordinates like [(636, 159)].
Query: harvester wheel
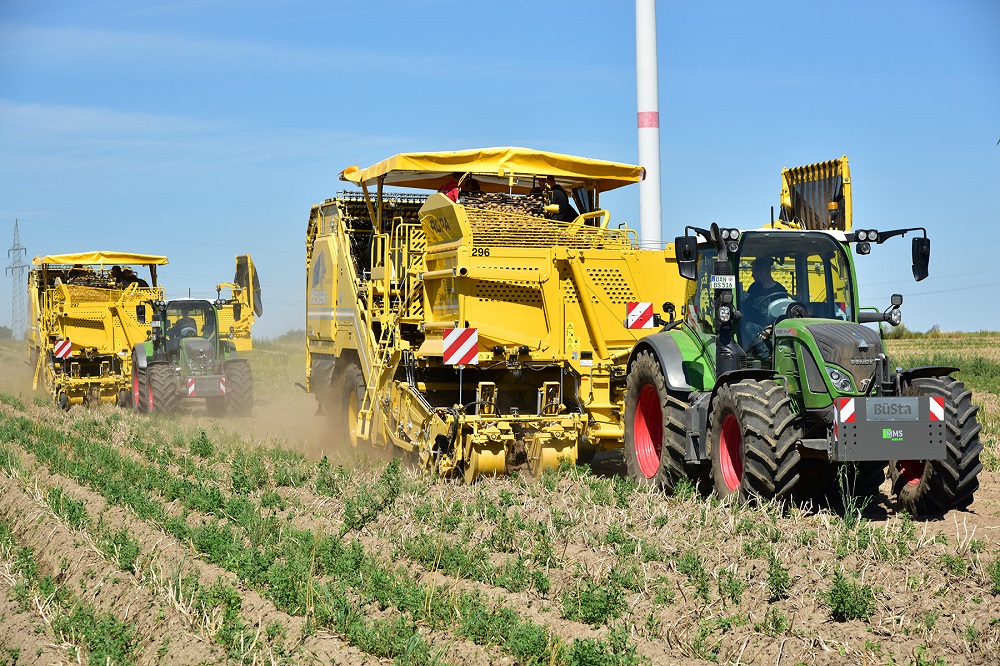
[(654, 426), (162, 389), (348, 395), (752, 437), (239, 388), (930, 486)]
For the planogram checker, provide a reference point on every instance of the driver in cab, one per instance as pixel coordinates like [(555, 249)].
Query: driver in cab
[(185, 327), (762, 292)]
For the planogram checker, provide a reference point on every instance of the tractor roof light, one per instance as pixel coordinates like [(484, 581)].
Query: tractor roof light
[(864, 247), (895, 317), (725, 313), (873, 235), (862, 235)]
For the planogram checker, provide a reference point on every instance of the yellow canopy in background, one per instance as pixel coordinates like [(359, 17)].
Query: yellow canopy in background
[(100, 258), (493, 168)]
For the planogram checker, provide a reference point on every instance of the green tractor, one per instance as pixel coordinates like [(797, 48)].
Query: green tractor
[(770, 383), (186, 357)]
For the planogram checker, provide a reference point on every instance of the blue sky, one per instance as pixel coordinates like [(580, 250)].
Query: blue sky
[(201, 130)]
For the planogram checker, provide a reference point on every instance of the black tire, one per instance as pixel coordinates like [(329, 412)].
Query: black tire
[(752, 437), (655, 435), (162, 389), (937, 486), (347, 397), (239, 388), (140, 399)]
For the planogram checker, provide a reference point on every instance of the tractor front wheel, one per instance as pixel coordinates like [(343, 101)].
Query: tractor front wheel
[(936, 486), (239, 388), (162, 389), (140, 397), (752, 439), (654, 426)]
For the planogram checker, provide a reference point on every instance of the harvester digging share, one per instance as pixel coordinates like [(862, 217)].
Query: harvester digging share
[(770, 383)]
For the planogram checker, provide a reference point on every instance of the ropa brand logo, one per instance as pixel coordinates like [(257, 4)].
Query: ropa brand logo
[(891, 409), (891, 434)]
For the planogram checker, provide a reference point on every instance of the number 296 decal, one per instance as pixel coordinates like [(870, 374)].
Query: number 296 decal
[(480, 252)]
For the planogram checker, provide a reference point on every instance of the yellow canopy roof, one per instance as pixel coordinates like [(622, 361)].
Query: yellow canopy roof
[(100, 257), (493, 167)]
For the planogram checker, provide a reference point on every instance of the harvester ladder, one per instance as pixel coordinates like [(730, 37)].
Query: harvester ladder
[(385, 349)]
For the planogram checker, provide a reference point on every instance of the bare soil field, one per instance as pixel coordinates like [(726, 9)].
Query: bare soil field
[(134, 539)]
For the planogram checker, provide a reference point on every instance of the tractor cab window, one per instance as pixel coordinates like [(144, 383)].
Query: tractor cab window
[(699, 309), (189, 321), (780, 270)]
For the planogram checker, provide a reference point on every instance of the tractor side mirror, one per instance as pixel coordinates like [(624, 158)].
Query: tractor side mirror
[(686, 248), (921, 257), (237, 310), (140, 313)]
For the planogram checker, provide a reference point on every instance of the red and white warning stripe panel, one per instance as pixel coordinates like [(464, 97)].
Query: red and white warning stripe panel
[(191, 386), (62, 348), (845, 410), (461, 346), (937, 408), (639, 315)]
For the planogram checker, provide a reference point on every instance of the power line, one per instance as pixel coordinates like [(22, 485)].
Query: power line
[(17, 254)]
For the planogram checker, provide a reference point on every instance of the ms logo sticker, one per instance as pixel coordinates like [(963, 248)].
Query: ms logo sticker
[(891, 434)]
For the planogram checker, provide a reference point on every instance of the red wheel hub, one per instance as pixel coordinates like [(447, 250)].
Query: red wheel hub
[(730, 456), (648, 431), (911, 471)]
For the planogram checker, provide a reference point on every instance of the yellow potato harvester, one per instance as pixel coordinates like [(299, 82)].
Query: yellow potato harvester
[(85, 320), (548, 310)]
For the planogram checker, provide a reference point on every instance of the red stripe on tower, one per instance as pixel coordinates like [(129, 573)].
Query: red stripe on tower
[(649, 119)]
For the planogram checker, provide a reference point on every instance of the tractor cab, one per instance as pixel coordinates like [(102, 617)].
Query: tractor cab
[(189, 324), (191, 335), (777, 274)]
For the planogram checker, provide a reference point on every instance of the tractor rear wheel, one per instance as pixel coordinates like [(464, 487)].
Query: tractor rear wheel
[(239, 388), (752, 437), (162, 389), (348, 395), (655, 435), (936, 486)]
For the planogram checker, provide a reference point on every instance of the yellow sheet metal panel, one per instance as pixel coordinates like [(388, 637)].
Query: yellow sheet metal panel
[(494, 169), (99, 257), (817, 196)]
